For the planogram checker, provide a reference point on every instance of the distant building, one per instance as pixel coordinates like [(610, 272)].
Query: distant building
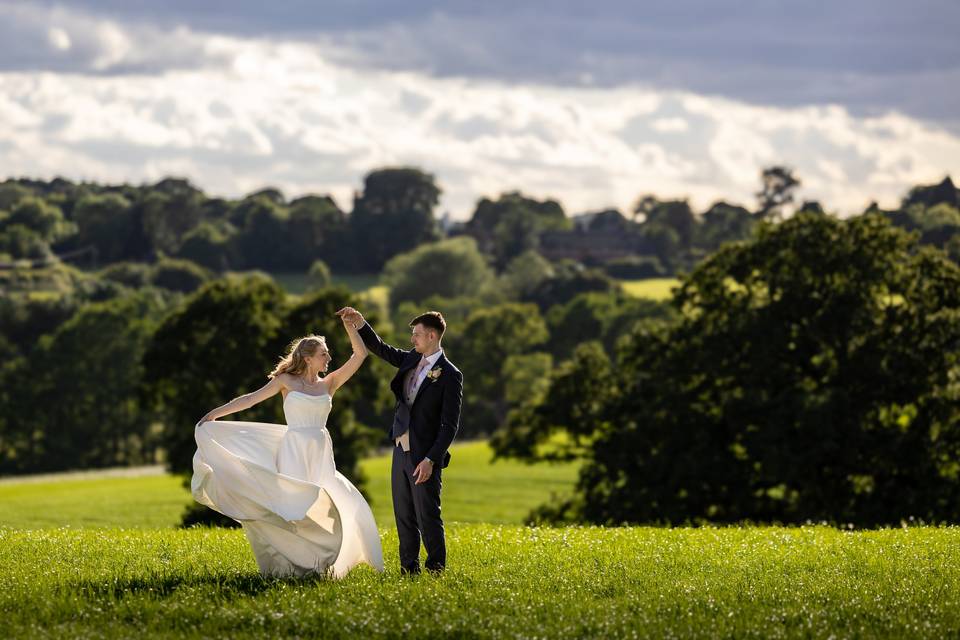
[(596, 237)]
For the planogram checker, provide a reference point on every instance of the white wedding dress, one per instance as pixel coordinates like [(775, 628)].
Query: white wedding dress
[(300, 514)]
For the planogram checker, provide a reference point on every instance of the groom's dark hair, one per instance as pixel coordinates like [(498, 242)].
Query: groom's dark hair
[(431, 320)]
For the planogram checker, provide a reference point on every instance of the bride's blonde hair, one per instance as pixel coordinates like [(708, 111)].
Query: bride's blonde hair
[(293, 362)]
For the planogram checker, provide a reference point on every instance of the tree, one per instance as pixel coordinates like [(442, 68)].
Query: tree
[(393, 215), (936, 223), (211, 245), (319, 275), (489, 337), (512, 224), (44, 219), (935, 217), (576, 394), (269, 193), (446, 268), (723, 223), (167, 212), (517, 232), (598, 316), (812, 206), (130, 274), (952, 248), (810, 377), (317, 229), (669, 230), (24, 319), (218, 345), (569, 279), (635, 268), (81, 407), (106, 222), (665, 244), (778, 185), (644, 207), (609, 220), (23, 243), (675, 215), (524, 274), (943, 193), (178, 275), (11, 193), (264, 241), (527, 381)]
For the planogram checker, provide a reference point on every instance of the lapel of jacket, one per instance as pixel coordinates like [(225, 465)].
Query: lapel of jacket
[(440, 362)]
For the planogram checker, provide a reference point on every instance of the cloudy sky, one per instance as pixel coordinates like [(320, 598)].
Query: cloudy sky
[(590, 103)]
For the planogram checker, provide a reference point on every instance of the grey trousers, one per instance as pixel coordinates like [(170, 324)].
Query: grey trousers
[(416, 508)]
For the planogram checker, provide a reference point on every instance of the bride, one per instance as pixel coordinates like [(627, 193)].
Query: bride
[(299, 513)]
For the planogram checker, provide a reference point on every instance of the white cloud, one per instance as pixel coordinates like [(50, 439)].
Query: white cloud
[(868, 55), (34, 37), (58, 39), (288, 116), (668, 125)]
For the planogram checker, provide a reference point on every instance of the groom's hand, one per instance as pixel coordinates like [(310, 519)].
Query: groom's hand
[(423, 471), (351, 316)]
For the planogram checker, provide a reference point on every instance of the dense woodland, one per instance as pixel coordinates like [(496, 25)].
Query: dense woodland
[(806, 367)]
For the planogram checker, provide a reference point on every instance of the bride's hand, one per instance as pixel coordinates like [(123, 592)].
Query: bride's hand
[(351, 317), (207, 418)]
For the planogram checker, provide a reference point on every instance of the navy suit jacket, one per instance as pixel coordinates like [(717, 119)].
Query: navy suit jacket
[(434, 417)]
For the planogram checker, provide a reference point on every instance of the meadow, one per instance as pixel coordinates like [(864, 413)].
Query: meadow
[(101, 558), (475, 490), (651, 288), (503, 581), (370, 286)]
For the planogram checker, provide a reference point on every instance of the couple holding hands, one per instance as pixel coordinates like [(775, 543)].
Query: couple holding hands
[(280, 482)]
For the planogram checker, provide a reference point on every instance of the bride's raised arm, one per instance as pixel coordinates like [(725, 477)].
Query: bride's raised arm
[(338, 378), (245, 401)]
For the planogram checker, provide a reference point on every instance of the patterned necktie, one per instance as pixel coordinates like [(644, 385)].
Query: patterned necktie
[(412, 382)]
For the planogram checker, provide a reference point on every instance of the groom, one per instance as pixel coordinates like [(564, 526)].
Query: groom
[(429, 392)]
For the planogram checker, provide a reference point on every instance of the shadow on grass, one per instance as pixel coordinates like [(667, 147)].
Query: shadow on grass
[(225, 587)]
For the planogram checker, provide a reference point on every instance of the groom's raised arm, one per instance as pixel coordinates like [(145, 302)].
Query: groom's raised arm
[(379, 348)]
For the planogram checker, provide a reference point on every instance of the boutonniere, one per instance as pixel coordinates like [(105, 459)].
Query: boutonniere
[(433, 374)]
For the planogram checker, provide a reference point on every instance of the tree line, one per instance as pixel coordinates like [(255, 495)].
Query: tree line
[(804, 368)]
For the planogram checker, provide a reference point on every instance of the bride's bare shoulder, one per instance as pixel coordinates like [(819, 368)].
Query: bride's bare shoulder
[(285, 380)]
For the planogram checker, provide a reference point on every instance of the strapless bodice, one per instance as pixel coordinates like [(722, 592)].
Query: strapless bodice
[(304, 411)]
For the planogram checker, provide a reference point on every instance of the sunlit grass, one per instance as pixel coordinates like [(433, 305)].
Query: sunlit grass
[(652, 288), (102, 558), (503, 581), (145, 502), (474, 490)]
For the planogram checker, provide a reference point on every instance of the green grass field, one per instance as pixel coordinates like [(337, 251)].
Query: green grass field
[(297, 283), (653, 288), (147, 502), (101, 558), (474, 490), (503, 581)]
